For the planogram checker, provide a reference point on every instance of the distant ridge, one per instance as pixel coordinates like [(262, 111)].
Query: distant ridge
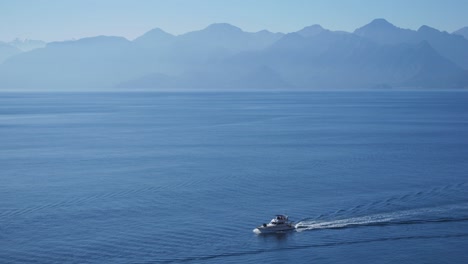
[(448, 45), (7, 50), (224, 57), (462, 32), (27, 44)]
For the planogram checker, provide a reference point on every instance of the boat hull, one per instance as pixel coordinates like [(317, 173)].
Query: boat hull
[(273, 229)]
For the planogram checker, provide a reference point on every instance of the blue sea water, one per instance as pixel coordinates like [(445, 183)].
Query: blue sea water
[(371, 177)]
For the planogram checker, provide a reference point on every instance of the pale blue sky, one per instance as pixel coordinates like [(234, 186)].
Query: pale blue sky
[(66, 19)]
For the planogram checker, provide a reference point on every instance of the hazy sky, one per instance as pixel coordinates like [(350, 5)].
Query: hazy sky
[(66, 19)]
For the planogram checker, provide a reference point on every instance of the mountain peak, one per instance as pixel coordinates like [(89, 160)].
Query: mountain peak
[(376, 25), (383, 32), (381, 22), (155, 35), (158, 31), (311, 31), (263, 32), (222, 27), (427, 29)]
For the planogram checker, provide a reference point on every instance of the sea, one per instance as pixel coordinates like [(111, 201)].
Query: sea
[(161, 177)]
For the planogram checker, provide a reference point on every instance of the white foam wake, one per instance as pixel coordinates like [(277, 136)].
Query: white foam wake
[(398, 217), (363, 220)]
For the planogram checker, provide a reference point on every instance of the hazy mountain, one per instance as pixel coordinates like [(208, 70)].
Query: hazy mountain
[(448, 45), (311, 31), (451, 46), (7, 51), (216, 42), (227, 37), (327, 60), (17, 46), (462, 32), (337, 60), (164, 53), (383, 32), (224, 57), (88, 63), (434, 71), (155, 39), (263, 39), (258, 78), (27, 44)]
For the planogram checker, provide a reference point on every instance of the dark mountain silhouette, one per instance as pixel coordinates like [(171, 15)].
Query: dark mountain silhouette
[(462, 32), (224, 57)]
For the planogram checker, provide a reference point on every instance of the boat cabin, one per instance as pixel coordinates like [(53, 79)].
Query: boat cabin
[(279, 219)]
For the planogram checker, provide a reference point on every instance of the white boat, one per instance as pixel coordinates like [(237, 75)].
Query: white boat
[(279, 223)]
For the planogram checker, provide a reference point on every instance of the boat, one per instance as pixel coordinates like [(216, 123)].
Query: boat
[(280, 223)]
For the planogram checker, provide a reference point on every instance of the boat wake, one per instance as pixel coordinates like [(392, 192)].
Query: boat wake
[(447, 213)]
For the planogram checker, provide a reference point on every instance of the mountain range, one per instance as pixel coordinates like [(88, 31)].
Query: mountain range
[(224, 57)]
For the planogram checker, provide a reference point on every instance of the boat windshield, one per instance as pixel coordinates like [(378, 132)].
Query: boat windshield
[(281, 217)]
